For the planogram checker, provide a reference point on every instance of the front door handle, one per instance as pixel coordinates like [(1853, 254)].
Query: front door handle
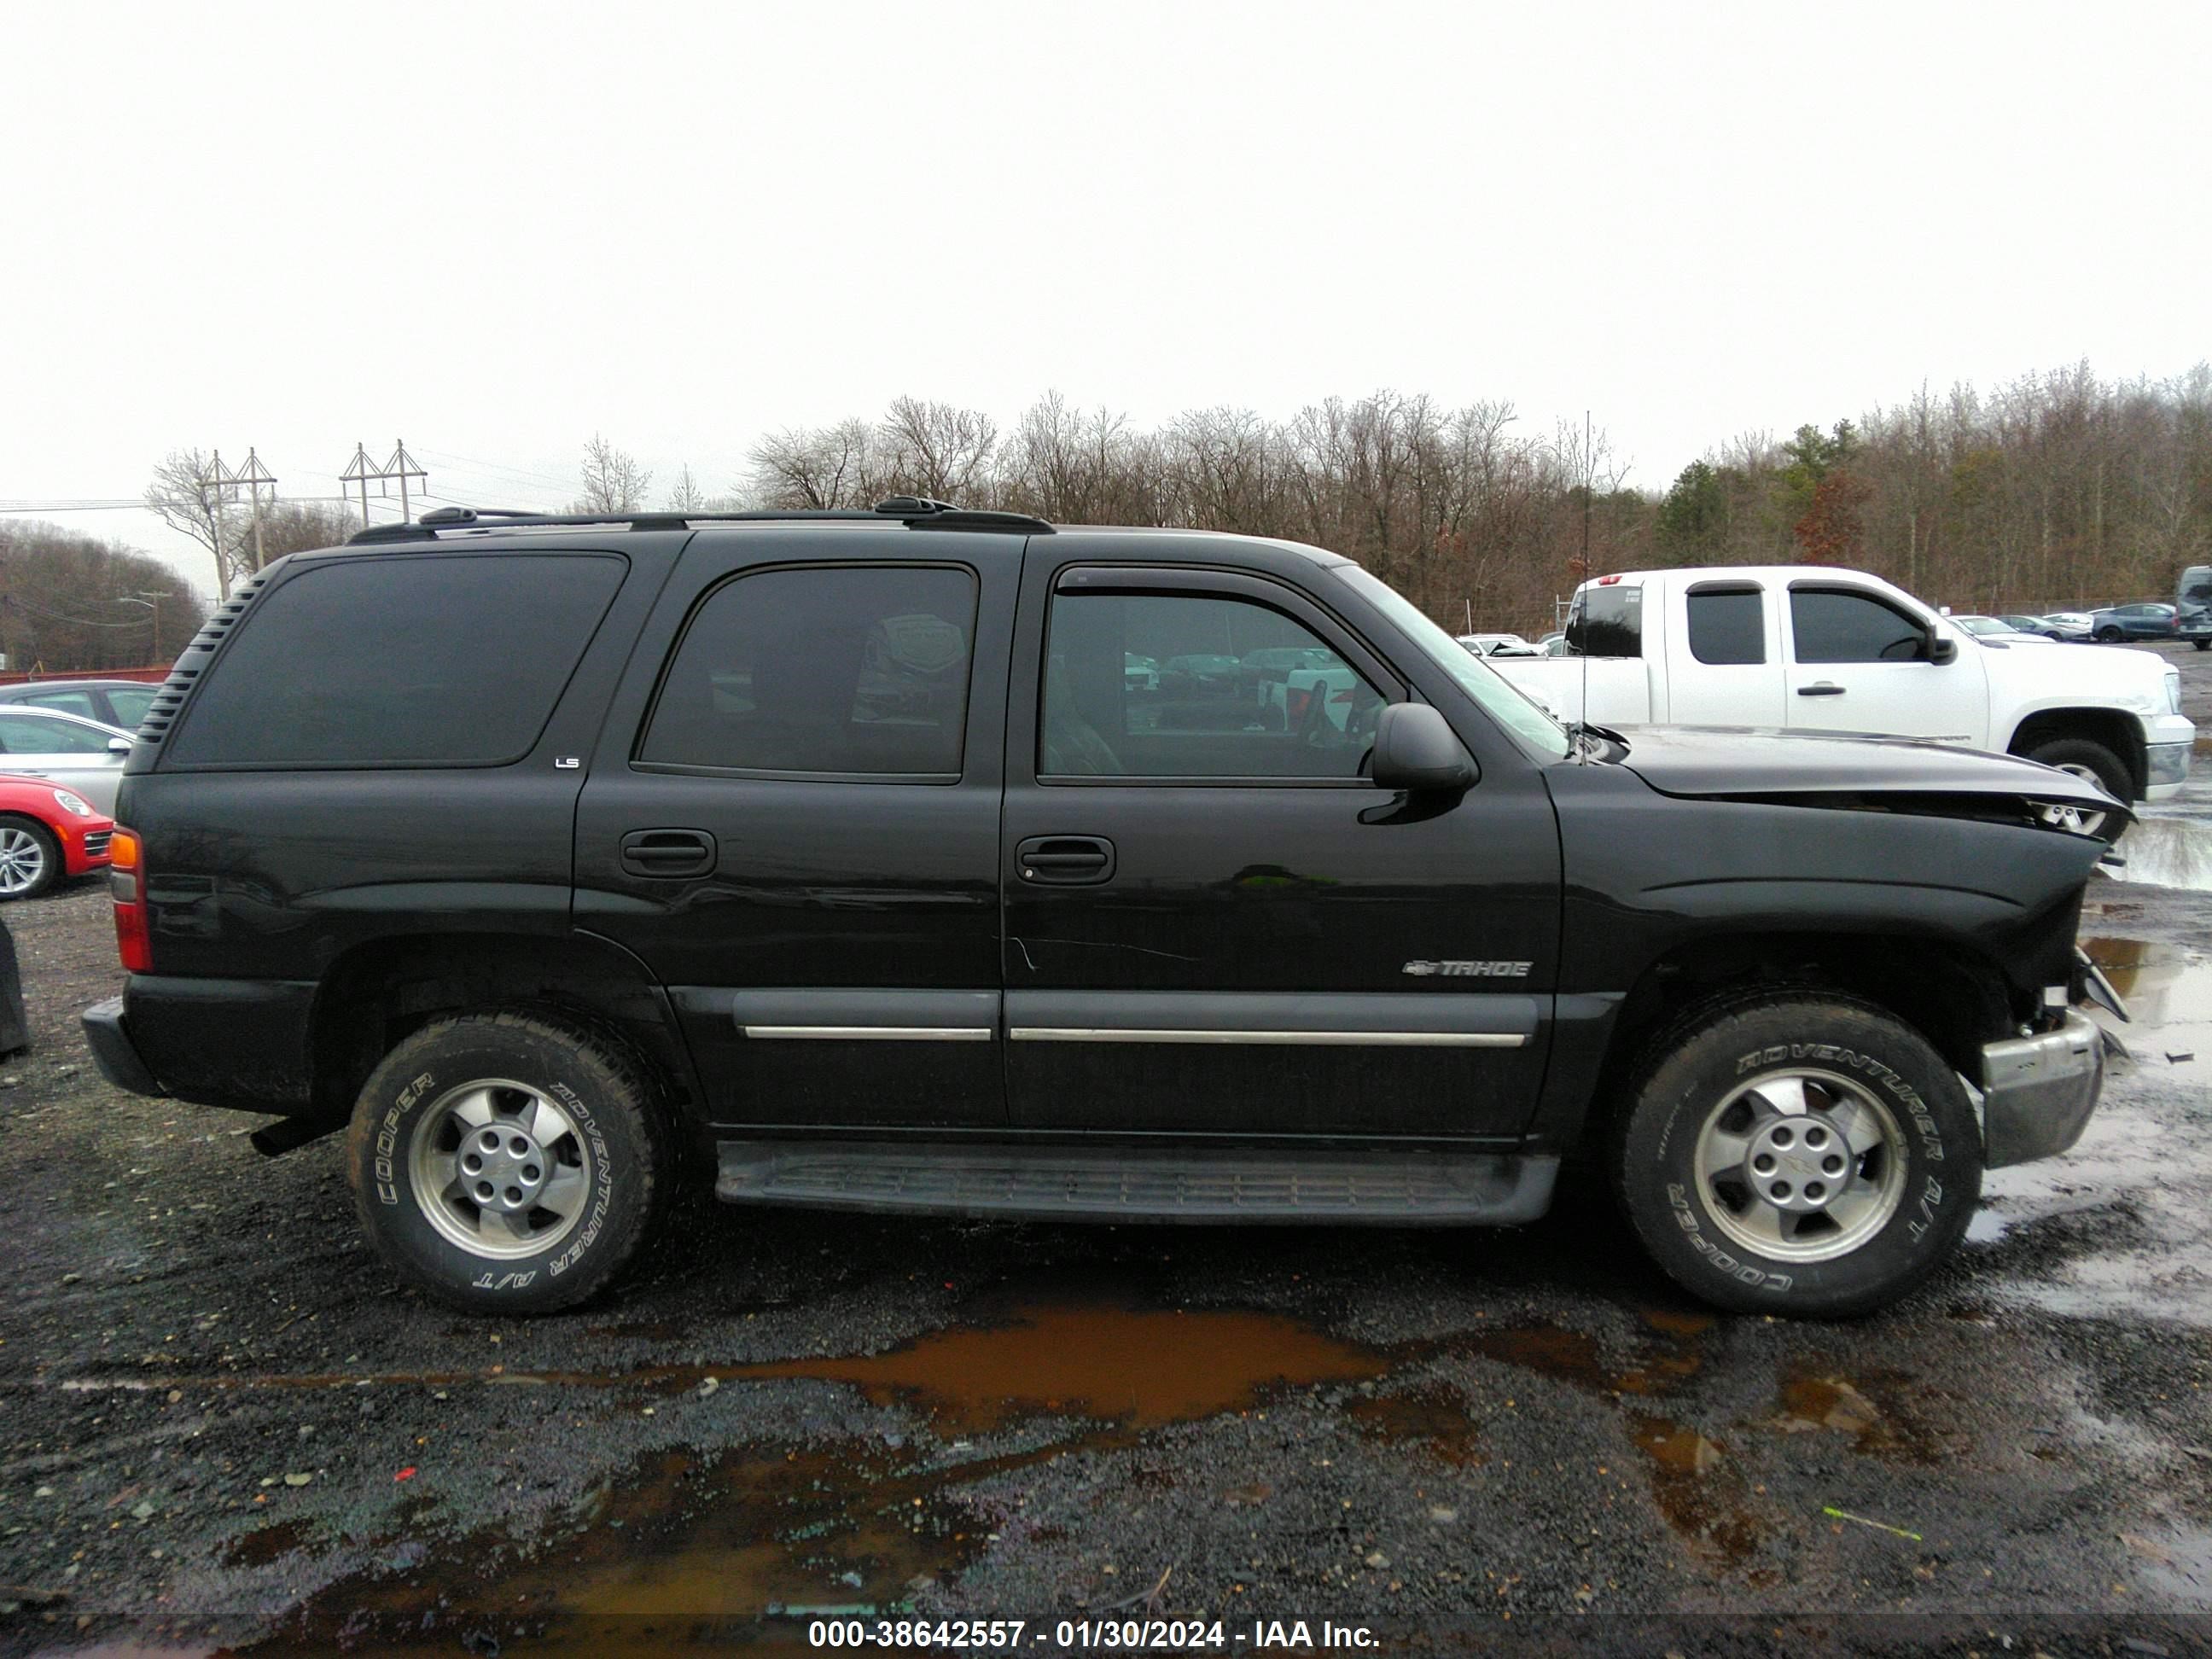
[(1821, 688), (1065, 861), (667, 853)]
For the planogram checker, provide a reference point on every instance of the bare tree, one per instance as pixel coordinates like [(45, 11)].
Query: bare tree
[(819, 471), (613, 481), (686, 496), (939, 450), (189, 504)]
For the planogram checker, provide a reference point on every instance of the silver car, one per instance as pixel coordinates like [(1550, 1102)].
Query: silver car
[(77, 753)]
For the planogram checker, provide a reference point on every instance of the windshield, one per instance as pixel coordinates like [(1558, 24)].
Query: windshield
[(1500, 699)]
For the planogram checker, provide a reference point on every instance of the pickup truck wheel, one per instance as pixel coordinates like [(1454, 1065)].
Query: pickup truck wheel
[(504, 1163), (2085, 758), (1801, 1154), (30, 858)]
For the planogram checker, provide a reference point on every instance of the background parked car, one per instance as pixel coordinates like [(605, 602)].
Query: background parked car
[(2001, 629), (1497, 645), (79, 754), (2115, 623), (1551, 645), (2039, 626), (1139, 673), (47, 834), (1196, 675), (121, 703), (2068, 625), (2193, 603)]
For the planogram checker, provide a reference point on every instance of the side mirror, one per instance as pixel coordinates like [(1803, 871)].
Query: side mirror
[(1942, 649), (118, 745), (1416, 751)]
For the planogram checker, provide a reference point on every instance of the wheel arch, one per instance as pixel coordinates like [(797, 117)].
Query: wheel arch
[(379, 991), (1951, 996), (2114, 728)]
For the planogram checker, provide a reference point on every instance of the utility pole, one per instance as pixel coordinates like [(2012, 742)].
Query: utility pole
[(402, 466), (227, 484)]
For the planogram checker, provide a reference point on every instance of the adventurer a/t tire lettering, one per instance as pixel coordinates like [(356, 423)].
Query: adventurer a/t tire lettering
[(1806, 1154)]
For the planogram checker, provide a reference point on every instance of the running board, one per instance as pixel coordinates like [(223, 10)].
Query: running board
[(1182, 1183)]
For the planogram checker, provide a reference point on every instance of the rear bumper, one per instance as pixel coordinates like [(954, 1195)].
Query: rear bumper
[(2037, 1091), (112, 1050)]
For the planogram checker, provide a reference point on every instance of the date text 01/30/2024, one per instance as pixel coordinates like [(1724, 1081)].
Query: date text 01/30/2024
[(1158, 1634)]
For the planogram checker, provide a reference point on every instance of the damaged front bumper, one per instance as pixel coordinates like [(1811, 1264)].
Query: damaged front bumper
[(2037, 1091)]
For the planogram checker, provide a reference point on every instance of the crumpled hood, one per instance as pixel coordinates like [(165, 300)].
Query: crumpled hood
[(1711, 760)]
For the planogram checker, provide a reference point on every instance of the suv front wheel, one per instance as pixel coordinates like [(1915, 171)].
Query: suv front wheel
[(1804, 1154), (505, 1162)]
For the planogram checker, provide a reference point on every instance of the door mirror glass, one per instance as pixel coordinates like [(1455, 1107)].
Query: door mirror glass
[(1417, 752)]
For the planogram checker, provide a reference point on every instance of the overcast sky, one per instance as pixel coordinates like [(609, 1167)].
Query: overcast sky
[(495, 231)]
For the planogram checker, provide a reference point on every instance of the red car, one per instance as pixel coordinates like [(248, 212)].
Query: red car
[(47, 833)]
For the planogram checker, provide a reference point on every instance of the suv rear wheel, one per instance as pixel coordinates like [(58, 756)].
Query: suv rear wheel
[(1804, 1154), (505, 1162)]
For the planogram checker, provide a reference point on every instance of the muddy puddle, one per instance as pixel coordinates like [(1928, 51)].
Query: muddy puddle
[(697, 1544), (2167, 987)]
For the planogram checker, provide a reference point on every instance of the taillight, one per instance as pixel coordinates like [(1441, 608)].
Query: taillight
[(127, 886)]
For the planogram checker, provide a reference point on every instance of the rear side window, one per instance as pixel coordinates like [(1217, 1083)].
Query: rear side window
[(1607, 622), (27, 734), (1728, 626), (129, 706), (858, 670), (415, 660), (1830, 625), (70, 702)]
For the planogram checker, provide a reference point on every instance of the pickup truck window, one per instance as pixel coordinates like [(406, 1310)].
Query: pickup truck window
[(1606, 622), (861, 670), (1190, 685), (421, 659), (1503, 702), (1728, 625), (1835, 625)]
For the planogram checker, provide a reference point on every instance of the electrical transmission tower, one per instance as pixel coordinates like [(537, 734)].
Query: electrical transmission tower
[(221, 486), (402, 466)]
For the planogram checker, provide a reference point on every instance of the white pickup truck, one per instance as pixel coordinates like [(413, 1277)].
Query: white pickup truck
[(1813, 648)]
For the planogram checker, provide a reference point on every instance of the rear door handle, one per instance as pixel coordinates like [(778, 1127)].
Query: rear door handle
[(1821, 688), (668, 852), (1065, 861)]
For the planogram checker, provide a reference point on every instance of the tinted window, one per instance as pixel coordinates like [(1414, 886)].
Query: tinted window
[(854, 669), (1728, 627), (1240, 692), (1607, 622), (416, 660), (70, 702), (1829, 626), (129, 706), (27, 734)]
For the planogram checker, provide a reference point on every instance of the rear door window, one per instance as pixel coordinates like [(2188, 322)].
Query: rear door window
[(130, 706), (416, 659), (1728, 625), (858, 670)]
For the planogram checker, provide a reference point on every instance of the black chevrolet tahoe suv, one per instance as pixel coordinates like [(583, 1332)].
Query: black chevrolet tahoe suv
[(923, 859)]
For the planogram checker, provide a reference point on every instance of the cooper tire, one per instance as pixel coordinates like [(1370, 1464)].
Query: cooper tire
[(563, 1145), (30, 854), (1714, 1078)]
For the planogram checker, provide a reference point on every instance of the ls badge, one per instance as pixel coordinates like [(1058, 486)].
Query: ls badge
[(1469, 969)]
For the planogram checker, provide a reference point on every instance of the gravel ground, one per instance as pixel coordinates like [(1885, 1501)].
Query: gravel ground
[(226, 1426)]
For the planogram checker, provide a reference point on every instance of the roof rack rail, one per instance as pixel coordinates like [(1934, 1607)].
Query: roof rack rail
[(915, 511)]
